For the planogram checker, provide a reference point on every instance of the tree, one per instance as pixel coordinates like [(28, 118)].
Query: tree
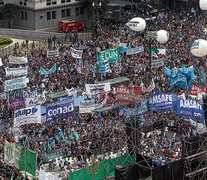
[(8, 12)]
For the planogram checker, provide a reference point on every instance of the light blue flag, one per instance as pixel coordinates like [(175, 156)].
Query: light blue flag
[(42, 174), (203, 77), (167, 71), (45, 72), (185, 70)]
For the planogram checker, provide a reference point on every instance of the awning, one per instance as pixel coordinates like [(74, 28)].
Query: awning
[(62, 94), (115, 81)]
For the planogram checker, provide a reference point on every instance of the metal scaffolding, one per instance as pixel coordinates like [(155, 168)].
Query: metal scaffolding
[(195, 156)]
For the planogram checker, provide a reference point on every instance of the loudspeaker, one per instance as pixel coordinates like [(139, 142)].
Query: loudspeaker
[(133, 136), (205, 107)]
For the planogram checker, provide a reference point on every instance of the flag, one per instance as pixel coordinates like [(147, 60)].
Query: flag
[(153, 49), (104, 66), (61, 134), (167, 71), (49, 146), (71, 137), (203, 76), (161, 51), (67, 142), (42, 173), (28, 161), (153, 54), (76, 135), (52, 143)]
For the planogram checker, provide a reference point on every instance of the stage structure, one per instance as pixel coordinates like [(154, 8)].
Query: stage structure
[(195, 157)]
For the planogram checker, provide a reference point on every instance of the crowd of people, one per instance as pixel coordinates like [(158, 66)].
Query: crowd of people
[(102, 134)]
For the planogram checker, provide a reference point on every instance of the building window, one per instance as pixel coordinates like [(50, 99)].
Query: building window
[(54, 2), (1, 2), (63, 13), (67, 12), (62, 1), (48, 2), (81, 10), (53, 14), (20, 2), (77, 11), (48, 15), (23, 15), (68, 0)]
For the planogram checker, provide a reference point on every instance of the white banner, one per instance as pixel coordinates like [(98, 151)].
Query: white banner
[(17, 60), (157, 63), (52, 53), (12, 154), (16, 71), (131, 51), (92, 89), (27, 116), (1, 64), (161, 51), (88, 106), (76, 53), (17, 83)]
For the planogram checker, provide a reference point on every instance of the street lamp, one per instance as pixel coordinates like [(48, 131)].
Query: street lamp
[(96, 5), (139, 24)]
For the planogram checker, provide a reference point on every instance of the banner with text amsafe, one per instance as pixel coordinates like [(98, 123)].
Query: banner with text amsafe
[(16, 71), (17, 83), (128, 94), (190, 108), (162, 101), (59, 110), (27, 116)]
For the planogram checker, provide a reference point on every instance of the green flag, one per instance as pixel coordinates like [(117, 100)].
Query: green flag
[(153, 49), (28, 161)]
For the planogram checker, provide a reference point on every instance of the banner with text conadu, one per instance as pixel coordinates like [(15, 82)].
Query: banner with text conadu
[(128, 94), (59, 110)]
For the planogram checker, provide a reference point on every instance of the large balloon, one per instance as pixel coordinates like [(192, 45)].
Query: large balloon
[(199, 48), (137, 24), (162, 36), (203, 4)]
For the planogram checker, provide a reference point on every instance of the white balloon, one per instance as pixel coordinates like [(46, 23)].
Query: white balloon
[(199, 48), (162, 36), (137, 24), (203, 4)]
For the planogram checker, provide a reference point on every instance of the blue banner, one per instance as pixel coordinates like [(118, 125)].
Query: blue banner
[(190, 108), (59, 110), (2, 95), (44, 72), (162, 101), (179, 80)]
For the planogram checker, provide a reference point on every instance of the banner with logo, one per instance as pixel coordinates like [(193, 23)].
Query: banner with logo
[(17, 103), (131, 51), (27, 116), (196, 89), (190, 108), (92, 89), (110, 54), (29, 102), (59, 110), (76, 53), (17, 60), (17, 83), (162, 101), (32, 94), (88, 106), (128, 94), (45, 72), (12, 154), (157, 63), (52, 53), (2, 95), (16, 71)]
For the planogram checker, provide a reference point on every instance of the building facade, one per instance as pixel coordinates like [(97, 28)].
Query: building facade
[(45, 14)]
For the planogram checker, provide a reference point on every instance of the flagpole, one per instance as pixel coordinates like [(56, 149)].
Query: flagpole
[(25, 162)]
